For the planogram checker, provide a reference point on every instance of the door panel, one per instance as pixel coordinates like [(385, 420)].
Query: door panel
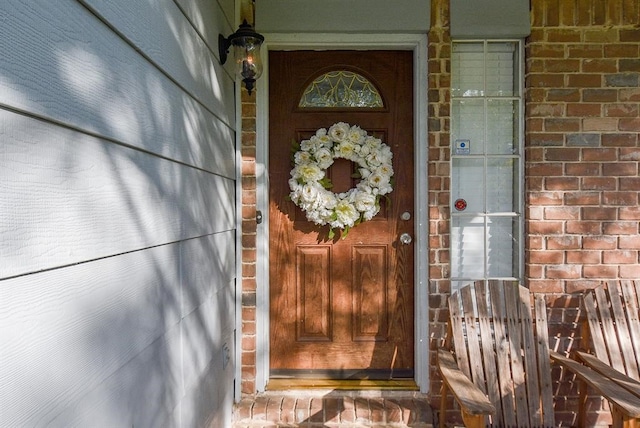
[(343, 307), (313, 291)]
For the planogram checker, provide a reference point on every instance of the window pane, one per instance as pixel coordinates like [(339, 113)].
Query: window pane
[(502, 132), (341, 89), (501, 62), (502, 247), (468, 122), (501, 182), (467, 247), (467, 70), (468, 184), (486, 150)]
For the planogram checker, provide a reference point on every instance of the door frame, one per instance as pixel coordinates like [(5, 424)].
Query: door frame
[(314, 41)]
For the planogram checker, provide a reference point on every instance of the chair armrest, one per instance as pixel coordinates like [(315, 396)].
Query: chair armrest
[(628, 404), (607, 371), (471, 399)]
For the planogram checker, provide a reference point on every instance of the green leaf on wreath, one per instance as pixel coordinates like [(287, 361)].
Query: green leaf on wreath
[(326, 183), (331, 234), (295, 147)]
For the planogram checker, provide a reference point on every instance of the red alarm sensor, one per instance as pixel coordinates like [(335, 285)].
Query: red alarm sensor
[(460, 204)]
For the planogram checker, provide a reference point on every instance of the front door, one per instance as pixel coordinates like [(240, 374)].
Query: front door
[(341, 307)]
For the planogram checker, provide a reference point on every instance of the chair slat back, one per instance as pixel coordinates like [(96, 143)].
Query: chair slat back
[(614, 325), (501, 344)]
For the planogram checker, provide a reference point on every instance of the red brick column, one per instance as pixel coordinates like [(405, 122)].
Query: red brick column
[(439, 90), (249, 228)]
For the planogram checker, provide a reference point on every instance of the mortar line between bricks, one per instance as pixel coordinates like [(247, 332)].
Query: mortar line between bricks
[(280, 409)]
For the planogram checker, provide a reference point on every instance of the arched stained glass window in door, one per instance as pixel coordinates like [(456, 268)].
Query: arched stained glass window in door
[(341, 88)]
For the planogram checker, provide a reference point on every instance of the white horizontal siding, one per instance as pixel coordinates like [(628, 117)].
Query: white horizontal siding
[(68, 197), (202, 13), (210, 392), (196, 67), (83, 341), (207, 267), (140, 394), (60, 62), (118, 227)]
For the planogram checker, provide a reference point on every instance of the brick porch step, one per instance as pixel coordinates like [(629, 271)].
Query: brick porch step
[(334, 409)]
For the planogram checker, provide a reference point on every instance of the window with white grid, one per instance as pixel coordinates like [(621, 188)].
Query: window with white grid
[(486, 161)]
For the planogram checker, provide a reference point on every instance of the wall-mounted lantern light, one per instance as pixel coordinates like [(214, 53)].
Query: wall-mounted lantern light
[(246, 51)]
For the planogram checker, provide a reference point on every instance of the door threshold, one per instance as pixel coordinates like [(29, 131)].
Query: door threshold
[(342, 384)]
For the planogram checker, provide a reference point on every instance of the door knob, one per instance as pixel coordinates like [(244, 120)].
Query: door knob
[(405, 238)]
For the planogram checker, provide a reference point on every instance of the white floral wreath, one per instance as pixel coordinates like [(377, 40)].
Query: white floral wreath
[(310, 186)]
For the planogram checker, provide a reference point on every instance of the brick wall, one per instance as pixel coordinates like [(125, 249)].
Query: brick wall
[(582, 161), (582, 122)]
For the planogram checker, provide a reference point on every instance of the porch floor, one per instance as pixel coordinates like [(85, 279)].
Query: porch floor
[(334, 409)]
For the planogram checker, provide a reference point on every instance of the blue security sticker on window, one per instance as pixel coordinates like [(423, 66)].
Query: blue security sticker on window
[(462, 147)]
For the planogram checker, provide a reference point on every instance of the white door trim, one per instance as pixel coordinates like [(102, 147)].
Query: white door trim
[(418, 44)]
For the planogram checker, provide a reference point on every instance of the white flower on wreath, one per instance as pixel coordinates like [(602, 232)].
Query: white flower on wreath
[(338, 132), (324, 157), (310, 186)]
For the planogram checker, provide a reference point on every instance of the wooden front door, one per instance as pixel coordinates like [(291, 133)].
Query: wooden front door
[(341, 308)]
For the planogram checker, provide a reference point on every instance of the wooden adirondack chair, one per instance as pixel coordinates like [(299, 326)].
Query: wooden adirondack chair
[(613, 330), (500, 372)]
